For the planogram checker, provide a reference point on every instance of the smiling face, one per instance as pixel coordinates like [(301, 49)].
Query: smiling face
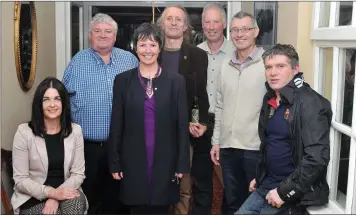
[(213, 25), (279, 71), (147, 50), (243, 33), (102, 37), (51, 104)]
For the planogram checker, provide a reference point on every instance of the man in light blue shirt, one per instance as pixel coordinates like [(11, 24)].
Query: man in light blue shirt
[(217, 48), (89, 80)]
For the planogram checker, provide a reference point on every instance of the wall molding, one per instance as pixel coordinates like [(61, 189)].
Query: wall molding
[(63, 36), (1, 38)]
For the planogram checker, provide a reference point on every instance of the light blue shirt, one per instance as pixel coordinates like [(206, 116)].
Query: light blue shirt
[(89, 82)]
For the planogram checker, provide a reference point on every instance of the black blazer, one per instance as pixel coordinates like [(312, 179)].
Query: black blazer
[(193, 65), (127, 148)]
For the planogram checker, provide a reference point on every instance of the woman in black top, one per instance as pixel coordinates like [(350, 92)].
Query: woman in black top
[(48, 156)]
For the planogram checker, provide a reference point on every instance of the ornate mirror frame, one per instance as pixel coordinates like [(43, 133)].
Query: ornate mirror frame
[(19, 46)]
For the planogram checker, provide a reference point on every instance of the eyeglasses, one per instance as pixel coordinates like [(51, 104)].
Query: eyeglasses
[(242, 30)]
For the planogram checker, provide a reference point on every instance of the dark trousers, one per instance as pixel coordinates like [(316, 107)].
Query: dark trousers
[(101, 190), (202, 173), (202, 187), (148, 209), (238, 170)]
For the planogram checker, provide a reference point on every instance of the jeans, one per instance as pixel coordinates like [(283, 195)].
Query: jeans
[(238, 170), (256, 203)]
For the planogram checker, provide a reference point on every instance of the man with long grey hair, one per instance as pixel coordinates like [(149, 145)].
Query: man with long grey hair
[(240, 90), (89, 80), (179, 56), (217, 48)]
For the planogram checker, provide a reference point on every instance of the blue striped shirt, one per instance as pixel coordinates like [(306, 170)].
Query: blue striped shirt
[(89, 82)]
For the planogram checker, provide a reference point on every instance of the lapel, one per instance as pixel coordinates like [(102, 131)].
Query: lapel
[(139, 96), (42, 151), (162, 92), (184, 59)]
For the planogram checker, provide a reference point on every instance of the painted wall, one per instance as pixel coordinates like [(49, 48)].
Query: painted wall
[(294, 26), (16, 104)]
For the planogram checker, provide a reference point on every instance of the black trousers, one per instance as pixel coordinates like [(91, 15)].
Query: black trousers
[(202, 174), (148, 209), (101, 190)]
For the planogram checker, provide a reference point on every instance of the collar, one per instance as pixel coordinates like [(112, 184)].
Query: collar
[(254, 55), (288, 91), (98, 57), (223, 48)]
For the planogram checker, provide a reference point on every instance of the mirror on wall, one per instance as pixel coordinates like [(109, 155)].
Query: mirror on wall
[(25, 43)]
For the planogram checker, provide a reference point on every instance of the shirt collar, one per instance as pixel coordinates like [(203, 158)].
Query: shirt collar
[(223, 47), (252, 56), (99, 59), (288, 92)]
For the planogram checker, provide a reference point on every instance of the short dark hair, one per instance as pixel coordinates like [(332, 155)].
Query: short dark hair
[(37, 118), (243, 14), (283, 49), (148, 31)]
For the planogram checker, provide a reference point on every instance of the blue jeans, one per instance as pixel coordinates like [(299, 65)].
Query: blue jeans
[(256, 203), (238, 170)]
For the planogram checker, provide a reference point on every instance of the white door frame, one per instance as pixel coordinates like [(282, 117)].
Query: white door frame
[(1, 32), (63, 23)]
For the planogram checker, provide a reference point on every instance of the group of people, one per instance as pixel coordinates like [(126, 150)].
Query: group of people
[(117, 135)]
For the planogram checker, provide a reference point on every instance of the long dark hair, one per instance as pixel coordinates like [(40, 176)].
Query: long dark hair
[(37, 118)]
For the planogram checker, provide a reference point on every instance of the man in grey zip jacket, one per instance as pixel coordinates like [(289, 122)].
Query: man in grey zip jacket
[(240, 90)]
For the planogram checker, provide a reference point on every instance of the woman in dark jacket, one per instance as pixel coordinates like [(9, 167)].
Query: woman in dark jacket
[(149, 134)]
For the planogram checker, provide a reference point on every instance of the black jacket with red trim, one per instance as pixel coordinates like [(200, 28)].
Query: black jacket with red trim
[(309, 127)]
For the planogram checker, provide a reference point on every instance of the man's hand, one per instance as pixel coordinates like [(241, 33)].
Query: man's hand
[(215, 154), (196, 129), (274, 199), (252, 187), (50, 207), (117, 176), (179, 175)]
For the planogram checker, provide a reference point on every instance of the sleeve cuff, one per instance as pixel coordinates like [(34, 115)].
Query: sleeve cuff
[(46, 190), (214, 143)]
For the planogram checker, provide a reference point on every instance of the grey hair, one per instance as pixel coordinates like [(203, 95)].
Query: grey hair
[(102, 18), (187, 33), (243, 14), (216, 6), (285, 50)]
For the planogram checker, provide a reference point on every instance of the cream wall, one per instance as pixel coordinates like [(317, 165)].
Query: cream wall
[(294, 25), (16, 104)]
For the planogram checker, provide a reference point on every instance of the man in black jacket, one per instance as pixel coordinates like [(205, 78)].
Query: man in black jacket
[(178, 56), (294, 129)]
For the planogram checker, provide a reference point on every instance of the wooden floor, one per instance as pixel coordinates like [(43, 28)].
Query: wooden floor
[(217, 198)]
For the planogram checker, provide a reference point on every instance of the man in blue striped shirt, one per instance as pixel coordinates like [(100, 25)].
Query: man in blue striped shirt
[(89, 80)]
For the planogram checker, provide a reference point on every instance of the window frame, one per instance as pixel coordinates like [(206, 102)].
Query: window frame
[(275, 18), (338, 38)]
